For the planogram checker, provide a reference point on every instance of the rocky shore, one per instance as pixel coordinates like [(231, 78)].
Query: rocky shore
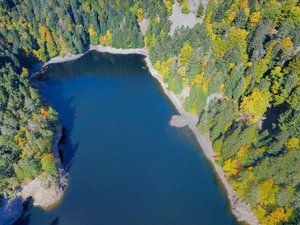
[(45, 191)]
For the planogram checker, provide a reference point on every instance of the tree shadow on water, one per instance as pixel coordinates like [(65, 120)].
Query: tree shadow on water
[(25, 217), (51, 85), (67, 112), (55, 221), (67, 150)]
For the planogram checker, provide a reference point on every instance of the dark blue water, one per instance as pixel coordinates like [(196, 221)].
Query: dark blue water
[(127, 165)]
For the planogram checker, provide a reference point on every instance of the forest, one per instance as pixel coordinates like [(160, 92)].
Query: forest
[(246, 51)]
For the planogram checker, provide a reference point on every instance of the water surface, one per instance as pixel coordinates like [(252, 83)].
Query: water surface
[(127, 165)]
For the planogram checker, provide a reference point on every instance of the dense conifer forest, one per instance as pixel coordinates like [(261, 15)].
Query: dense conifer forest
[(246, 52)]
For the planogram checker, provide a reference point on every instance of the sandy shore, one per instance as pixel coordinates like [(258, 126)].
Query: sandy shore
[(99, 48), (241, 210)]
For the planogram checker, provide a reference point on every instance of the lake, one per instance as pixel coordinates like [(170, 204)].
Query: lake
[(127, 165)]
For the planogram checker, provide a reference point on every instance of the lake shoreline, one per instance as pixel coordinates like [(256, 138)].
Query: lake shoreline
[(241, 210), (98, 48)]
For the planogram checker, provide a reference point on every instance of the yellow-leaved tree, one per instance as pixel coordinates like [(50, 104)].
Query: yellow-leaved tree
[(255, 105), (277, 217), (48, 163), (231, 167), (106, 40), (254, 18), (46, 35), (185, 54), (164, 68), (93, 35), (140, 14), (268, 191), (293, 143), (168, 4)]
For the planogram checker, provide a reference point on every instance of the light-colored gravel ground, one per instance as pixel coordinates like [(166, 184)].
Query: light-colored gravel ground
[(143, 26), (179, 19)]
